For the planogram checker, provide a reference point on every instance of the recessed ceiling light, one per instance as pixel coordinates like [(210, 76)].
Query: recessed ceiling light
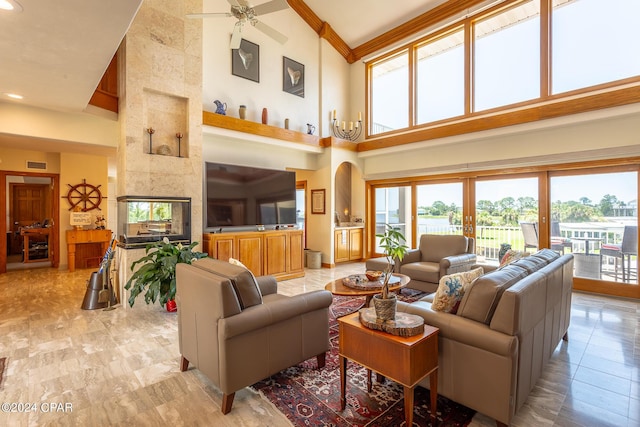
[(14, 95), (12, 5)]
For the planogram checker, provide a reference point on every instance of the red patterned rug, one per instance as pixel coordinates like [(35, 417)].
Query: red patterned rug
[(311, 397)]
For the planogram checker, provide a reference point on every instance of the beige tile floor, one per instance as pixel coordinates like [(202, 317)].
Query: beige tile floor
[(120, 367)]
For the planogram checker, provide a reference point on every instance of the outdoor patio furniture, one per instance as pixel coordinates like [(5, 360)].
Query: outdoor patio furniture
[(530, 232), (627, 247), (557, 242)]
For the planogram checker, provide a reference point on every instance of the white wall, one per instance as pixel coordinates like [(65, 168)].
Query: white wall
[(220, 84)]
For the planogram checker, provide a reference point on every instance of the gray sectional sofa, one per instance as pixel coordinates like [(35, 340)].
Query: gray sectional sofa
[(507, 326)]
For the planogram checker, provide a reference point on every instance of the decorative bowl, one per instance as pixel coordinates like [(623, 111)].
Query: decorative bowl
[(373, 275)]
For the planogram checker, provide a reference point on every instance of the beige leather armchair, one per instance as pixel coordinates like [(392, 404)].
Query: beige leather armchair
[(237, 330), (436, 256)]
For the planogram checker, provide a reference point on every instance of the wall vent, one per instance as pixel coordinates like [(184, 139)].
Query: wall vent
[(36, 165)]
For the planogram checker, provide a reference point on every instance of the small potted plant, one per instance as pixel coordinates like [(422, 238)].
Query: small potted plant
[(392, 241), (156, 277)]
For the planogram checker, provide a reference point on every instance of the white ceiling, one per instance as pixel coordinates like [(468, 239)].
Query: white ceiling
[(358, 21), (54, 53)]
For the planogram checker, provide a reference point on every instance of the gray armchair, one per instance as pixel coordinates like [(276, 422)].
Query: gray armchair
[(237, 330), (437, 255)]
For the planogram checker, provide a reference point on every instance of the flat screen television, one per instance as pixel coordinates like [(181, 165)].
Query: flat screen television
[(240, 196)]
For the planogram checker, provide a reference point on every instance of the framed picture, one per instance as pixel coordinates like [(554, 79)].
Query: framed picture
[(292, 77), (317, 201), (245, 61)]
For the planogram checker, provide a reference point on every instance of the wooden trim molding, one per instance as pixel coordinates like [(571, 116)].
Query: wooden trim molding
[(332, 141), (323, 29), (614, 98), (232, 123), (415, 25)]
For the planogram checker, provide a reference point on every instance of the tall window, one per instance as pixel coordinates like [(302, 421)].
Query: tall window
[(507, 57), (390, 94), (517, 53), (440, 78), (594, 42), (439, 208), (596, 218), (393, 207)]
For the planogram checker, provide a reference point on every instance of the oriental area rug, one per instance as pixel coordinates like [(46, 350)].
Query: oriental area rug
[(311, 397)]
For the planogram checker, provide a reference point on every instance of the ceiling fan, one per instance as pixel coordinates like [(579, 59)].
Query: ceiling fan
[(244, 13)]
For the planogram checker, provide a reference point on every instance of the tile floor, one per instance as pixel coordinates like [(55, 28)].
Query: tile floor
[(120, 367)]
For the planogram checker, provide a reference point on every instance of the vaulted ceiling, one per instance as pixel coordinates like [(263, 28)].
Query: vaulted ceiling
[(54, 53)]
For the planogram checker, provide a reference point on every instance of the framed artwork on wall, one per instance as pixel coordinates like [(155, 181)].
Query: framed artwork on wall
[(292, 77), (317, 201), (245, 61)]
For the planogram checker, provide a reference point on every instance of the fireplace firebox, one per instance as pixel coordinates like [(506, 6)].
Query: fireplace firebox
[(147, 219)]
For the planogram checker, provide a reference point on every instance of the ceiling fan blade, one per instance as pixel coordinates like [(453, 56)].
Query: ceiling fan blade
[(270, 31), (209, 15), (270, 6), (236, 36)]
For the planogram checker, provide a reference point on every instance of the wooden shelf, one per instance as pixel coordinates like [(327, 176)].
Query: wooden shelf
[(232, 123)]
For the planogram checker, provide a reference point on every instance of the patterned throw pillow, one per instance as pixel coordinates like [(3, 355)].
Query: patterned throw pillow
[(451, 289), (510, 256)]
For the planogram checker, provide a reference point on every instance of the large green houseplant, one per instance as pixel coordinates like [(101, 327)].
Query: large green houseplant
[(156, 276), (392, 241)]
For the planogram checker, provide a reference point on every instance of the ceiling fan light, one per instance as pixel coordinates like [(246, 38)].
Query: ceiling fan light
[(11, 5)]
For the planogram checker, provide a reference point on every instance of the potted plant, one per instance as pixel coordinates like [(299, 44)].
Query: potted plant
[(156, 277), (392, 241)]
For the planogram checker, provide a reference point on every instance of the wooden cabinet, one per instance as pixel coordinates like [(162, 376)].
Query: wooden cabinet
[(94, 244), (278, 253), (348, 244)]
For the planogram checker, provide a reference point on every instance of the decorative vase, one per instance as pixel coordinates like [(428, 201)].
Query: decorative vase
[(243, 112), (310, 129), (221, 107), (385, 308), (265, 116), (286, 123), (172, 307)]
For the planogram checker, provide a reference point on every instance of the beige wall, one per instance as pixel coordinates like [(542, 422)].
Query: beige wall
[(74, 168)]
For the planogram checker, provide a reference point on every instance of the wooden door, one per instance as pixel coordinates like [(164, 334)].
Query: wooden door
[(296, 257), (341, 245), (355, 244), (28, 204), (275, 245), (248, 249)]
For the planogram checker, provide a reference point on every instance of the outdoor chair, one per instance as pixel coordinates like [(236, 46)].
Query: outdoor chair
[(530, 233), (627, 247), (557, 242)]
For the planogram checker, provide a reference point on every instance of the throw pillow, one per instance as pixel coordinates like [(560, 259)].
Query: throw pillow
[(451, 289), (237, 262), (510, 256)]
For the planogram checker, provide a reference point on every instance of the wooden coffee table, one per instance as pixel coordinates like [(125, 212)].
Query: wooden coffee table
[(405, 360), (337, 287)]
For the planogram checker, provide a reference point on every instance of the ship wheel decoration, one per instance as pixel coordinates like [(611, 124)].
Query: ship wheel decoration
[(84, 196)]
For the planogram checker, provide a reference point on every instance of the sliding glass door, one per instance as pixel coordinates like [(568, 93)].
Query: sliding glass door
[(595, 216), (506, 216), (439, 208), (591, 213), (393, 206)]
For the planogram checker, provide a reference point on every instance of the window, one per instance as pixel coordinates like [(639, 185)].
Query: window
[(390, 94), (594, 43), (517, 53), (439, 209), (507, 57), (393, 207), (440, 78)]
